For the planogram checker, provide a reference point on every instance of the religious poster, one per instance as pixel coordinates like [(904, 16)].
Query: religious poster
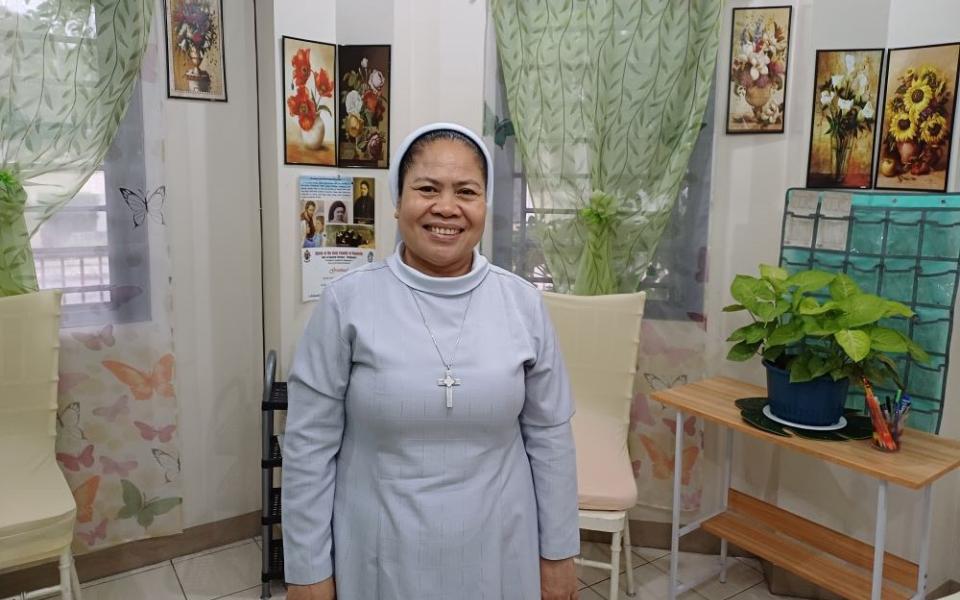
[(364, 94), (335, 229), (195, 67)]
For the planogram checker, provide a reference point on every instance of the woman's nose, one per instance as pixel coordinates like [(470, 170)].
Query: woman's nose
[(446, 205)]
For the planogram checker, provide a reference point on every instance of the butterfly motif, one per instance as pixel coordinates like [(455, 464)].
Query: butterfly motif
[(640, 411), (170, 464), (85, 494), (144, 207), (660, 384), (97, 533), (144, 385), (118, 408), (97, 341), (75, 462), (654, 344), (121, 294), (135, 504), (68, 421), (122, 469), (68, 381), (689, 425), (663, 461), (149, 433)]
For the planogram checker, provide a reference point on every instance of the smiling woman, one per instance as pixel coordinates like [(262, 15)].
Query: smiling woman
[(428, 449)]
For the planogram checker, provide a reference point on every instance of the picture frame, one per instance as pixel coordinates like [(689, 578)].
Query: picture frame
[(196, 61), (757, 80), (308, 102), (844, 117), (363, 94), (919, 114)]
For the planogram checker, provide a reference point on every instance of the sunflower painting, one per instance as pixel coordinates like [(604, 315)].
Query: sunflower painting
[(918, 118)]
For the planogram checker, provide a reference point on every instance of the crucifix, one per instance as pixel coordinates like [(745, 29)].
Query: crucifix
[(449, 382)]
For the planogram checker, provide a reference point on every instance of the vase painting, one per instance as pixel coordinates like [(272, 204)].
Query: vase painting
[(843, 126), (759, 49), (918, 118), (309, 127), (364, 96), (195, 56)]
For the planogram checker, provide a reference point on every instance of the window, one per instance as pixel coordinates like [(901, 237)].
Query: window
[(90, 248), (675, 280)]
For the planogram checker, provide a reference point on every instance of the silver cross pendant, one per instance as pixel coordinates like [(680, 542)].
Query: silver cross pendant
[(449, 382)]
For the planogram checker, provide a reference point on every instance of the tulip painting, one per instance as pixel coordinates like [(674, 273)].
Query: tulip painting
[(194, 31), (759, 48), (918, 118), (309, 96), (364, 80), (845, 95)]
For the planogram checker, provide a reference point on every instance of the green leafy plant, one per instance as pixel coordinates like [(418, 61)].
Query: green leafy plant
[(842, 336)]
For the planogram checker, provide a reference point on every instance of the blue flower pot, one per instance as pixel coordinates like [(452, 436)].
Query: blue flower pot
[(818, 402)]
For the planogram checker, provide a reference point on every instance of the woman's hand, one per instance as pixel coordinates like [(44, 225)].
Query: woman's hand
[(322, 590), (558, 580)]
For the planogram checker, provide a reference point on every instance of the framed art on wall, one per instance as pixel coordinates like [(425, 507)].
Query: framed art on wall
[(364, 96), (309, 123), (918, 118), (759, 48), (195, 55), (843, 124)]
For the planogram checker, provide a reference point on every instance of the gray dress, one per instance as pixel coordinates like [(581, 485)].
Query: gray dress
[(393, 493)]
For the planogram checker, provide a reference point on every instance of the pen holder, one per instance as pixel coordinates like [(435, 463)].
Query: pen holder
[(889, 440)]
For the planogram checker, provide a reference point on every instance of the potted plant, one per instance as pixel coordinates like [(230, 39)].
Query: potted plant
[(816, 332)]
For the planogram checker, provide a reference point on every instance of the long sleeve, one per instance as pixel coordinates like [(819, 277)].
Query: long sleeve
[(548, 438), (316, 388)]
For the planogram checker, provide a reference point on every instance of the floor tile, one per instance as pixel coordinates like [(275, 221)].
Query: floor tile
[(180, 559), (650, 554), (160, 565), (590, 594), (155, 584), (650, 584), (227, 571), (760, 592), (752, 563), (259, 541), (277, 592), (692, 566), (598, 551)]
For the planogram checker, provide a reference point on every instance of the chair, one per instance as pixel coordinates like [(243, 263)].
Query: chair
[(599, 338), (37, 509)]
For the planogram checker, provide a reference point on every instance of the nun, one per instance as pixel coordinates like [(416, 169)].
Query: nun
[(428, 452)]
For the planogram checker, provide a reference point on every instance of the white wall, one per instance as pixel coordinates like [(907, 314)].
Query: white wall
[(750, 177), (213, 221)]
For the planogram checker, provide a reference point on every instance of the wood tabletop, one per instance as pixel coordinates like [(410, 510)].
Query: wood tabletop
[(923, 458)]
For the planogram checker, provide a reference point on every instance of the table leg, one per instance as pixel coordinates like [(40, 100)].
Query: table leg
[(727, 468), (879, 541), (925, 542), (675, 522)]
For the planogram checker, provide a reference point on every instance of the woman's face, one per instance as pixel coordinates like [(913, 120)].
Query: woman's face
[(310, 210), (442, 208), (339, 214)]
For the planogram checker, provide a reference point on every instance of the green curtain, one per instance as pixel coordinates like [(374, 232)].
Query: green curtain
[(67, 68), (606, 98)]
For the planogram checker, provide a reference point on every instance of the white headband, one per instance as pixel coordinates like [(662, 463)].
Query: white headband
[(394, 174)]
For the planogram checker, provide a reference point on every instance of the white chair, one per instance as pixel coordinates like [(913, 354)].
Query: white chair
[(37, 509), (599, 338)]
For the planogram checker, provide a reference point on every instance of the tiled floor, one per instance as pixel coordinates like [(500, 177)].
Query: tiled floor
[(233, 573)]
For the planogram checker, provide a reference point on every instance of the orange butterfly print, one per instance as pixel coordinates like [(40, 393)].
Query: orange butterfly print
[(97, 341), (144, 385), (148, 432), (85, 494), (74, 462), (689, 425), (663, 461), (97, 533)]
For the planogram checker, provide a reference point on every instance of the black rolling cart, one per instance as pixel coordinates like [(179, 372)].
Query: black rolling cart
[(274, 400)]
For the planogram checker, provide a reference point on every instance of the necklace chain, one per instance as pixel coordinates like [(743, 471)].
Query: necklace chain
[(448, 365)]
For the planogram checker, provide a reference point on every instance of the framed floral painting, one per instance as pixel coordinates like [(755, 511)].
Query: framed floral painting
[(309, 124), (843, 126), (918, 118), (364, 80), (759, 49), (195, 56)]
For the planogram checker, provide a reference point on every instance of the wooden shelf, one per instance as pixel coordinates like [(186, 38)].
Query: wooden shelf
[(922, 459), (833, 561)]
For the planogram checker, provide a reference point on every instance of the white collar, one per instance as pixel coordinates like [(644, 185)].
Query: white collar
[(441, 286)]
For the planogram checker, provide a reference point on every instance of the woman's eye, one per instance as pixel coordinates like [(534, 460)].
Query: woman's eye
[(427, 189), (467, 192)]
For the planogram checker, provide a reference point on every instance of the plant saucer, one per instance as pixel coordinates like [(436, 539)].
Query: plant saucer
[(834, 427)]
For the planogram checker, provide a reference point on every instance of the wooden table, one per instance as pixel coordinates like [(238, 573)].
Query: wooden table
[(834, 561)]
